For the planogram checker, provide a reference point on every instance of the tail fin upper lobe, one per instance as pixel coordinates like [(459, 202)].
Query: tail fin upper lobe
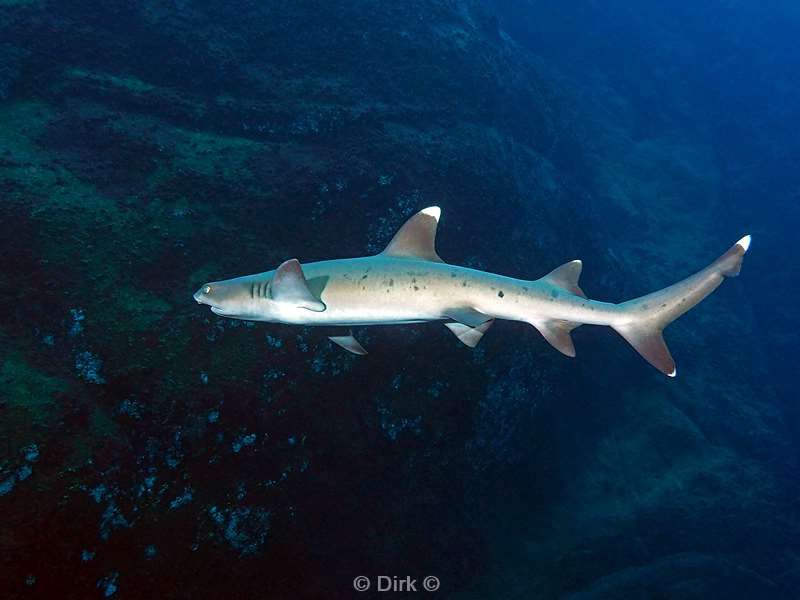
[(650, 314)]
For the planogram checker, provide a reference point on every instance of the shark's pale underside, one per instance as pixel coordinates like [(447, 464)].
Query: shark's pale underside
[(409, 283)]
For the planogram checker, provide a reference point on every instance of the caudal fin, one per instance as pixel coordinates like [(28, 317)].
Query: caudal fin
[(649, 315)]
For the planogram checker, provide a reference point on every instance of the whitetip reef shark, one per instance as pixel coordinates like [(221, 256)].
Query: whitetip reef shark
[(409, 283)]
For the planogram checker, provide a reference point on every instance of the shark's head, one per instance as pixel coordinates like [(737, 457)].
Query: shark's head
[(229, 298), (281, 295)]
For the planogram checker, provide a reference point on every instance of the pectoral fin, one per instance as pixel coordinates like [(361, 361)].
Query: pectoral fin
[(469, 335), (289, 285), (348, 342)]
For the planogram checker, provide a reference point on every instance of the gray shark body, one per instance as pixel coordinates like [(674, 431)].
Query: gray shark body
[(409, 283)]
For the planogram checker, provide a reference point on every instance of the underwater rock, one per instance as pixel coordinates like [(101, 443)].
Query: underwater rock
[(31, 452), (7, 485), (9, 68), (112, 519), (242, 441), (108, 585), (689, 575), (89, 367), (77, 317), (87, 555), (244, 528), (184, 498)]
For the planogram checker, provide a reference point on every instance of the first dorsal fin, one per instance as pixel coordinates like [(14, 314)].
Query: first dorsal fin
[(566, 277), (417, 237)]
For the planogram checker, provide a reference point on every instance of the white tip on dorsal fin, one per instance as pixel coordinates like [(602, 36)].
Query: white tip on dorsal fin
[(433, 211), (566, 277), (417, 237), (289, 286)]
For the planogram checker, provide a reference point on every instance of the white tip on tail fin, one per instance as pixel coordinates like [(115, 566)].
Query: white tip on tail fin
[(745, 242), (432, 211), (649, 315)]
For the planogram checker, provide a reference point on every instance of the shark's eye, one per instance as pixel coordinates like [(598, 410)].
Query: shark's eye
[(207, 289)]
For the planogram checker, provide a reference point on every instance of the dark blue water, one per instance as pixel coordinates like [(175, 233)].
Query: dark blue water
[(151, 449)]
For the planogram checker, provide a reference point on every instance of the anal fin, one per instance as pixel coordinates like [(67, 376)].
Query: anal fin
[(349, 343), (556, 332), (470, 336)]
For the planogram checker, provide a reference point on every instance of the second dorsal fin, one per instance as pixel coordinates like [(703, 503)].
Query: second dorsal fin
[(566, 277), (417, 237)]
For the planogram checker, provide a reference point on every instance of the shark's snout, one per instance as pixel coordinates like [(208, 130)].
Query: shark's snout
[(201, 295)]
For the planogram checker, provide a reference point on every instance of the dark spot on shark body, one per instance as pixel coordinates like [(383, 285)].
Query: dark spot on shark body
[(500, 294)]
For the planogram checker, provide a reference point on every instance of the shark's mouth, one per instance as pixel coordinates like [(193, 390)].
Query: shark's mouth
[(243, 317)]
